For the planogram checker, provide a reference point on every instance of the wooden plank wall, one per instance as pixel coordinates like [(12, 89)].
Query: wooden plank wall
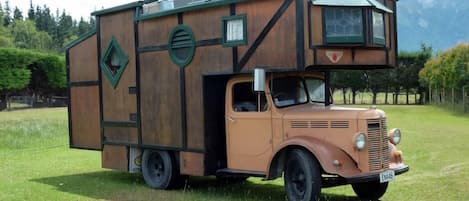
[(118, 104), (84, 100), (160, 100), (278, 49)]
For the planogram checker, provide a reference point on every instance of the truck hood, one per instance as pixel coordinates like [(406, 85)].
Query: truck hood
[(320, 112)]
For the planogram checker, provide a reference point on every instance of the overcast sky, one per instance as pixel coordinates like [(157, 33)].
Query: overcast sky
[(76, 8)]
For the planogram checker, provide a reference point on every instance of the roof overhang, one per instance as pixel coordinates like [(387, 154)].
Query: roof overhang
[(352, 3)]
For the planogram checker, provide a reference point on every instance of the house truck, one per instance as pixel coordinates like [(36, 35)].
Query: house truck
[(235, 89)]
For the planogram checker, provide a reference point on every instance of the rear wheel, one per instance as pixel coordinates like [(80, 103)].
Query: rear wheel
[(160, 169), (302, 177), (372, 190)]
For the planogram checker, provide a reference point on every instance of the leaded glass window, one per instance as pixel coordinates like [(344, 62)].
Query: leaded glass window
[(344, 25)]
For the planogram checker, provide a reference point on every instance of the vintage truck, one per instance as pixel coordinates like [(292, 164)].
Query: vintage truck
[(235, 88)]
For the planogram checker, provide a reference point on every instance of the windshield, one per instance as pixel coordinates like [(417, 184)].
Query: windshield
[(288, 91), (316, 89)]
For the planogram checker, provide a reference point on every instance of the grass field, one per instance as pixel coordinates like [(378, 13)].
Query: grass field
[(36, 164)]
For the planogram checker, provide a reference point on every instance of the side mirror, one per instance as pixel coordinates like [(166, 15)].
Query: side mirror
[(259, 80)]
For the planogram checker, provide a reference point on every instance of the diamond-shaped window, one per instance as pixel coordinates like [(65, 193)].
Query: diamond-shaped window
[(113, 62)]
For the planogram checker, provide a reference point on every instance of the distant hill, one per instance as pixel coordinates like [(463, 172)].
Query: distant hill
[(439, 23)]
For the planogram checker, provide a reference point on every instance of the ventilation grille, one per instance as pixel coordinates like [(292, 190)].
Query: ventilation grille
[(319, 124), (339, 124), (378, 150)]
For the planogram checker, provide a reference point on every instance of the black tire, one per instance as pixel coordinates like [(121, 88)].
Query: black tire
[(372, 190), (302, 177), (160, 170)]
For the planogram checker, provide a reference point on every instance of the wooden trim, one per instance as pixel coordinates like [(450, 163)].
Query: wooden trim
[(300, 35), (129, 124), (155, 147), (69, 106), (117, 8), (83, 83), (81, 39), (189, 8), (137, 78), (100, 78)]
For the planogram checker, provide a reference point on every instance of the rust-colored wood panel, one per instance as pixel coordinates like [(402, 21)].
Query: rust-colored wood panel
[(156, 31), (208, 59), (83, 60), (206, 24), (370, 57), (84, 102), (121, 135), (192, 163), (278, 49), (115, 157), (316, 25), (160, 100), (118, 104), (322, 58)]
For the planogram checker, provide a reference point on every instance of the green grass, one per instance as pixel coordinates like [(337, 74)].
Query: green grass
[(36, 164)]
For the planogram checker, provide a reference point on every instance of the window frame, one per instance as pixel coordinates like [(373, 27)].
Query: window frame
[(376, 40), (343, 39), (224, 24)]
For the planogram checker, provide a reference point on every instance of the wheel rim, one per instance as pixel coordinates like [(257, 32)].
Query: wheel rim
[(157, 167)]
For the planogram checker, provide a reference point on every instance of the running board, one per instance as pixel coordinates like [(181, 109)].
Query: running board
[(228, 171)]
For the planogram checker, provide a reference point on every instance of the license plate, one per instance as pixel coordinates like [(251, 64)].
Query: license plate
[(386, 176)]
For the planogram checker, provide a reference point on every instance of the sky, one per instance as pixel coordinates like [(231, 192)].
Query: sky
[(75, 8)]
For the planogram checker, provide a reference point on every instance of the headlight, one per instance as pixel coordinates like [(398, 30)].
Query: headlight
[(394, 136), (360, 141)]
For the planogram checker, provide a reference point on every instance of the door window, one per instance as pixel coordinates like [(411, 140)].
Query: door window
[(246, 100)]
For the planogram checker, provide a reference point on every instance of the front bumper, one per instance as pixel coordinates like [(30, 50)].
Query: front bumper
[(375, 176)]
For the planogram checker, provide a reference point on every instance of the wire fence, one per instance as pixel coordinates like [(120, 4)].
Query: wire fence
[(25, 102), (455, 99), (366, 98)]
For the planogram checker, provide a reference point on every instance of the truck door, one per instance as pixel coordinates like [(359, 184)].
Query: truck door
[(249, 128)]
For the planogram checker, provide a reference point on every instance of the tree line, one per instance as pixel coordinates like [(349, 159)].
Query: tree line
[(39, 28), (32, 61), (447, 75), (402, 79)]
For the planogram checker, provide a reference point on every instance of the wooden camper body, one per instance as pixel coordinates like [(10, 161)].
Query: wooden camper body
[(158, 103)]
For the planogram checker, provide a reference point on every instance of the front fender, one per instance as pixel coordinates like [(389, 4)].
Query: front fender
[(324, 152)]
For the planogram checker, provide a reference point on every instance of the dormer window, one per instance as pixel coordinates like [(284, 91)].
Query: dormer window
[(360, 22)]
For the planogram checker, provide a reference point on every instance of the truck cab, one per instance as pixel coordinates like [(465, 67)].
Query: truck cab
[(289, 127)]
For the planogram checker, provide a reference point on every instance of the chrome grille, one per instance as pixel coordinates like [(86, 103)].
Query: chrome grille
[(378, 150)]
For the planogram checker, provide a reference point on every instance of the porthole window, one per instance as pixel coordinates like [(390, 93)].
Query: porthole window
[(181, 45)]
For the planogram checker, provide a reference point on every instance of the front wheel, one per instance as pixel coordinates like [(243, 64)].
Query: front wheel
[(302, 177), (372, 190)]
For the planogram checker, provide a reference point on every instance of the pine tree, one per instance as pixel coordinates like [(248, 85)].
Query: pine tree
[(31, 13), (7, 14), (17, 14)]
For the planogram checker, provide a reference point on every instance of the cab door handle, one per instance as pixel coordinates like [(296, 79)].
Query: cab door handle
[(231, 119)]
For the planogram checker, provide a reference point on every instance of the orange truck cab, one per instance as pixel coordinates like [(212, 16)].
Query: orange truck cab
[(233, 89), (289, 128)]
